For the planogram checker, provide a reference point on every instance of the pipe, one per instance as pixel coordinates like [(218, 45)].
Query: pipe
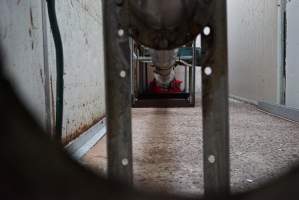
[(59, 67), (164, 61)]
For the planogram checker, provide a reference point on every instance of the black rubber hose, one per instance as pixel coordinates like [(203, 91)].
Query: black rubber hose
[(59, 67)]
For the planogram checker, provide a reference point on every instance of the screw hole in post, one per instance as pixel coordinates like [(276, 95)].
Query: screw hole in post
[(123, 74), (206, 30), (212, 159), (208, 71), (125, 162), (121, 32)]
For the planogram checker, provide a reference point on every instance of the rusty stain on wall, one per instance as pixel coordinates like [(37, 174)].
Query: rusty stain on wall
[(82, 128), (28, 40), (84, 94)]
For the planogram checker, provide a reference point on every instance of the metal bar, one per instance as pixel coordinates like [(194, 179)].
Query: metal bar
[(81, 145), (163, 103), (146, 77), (118, 96), (185, 79), (215, 103), (132, 65), (190, 80), (288, 113), (143, 74), (192, 76), (139, 69), (148, 59), (193, 72)]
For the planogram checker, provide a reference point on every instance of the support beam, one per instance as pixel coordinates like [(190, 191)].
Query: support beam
[(215, 103), (118, 96)]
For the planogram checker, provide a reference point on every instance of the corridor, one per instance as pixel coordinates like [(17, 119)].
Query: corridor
[(167, 148)]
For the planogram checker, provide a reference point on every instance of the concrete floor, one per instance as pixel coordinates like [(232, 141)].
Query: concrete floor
[(168, 148)]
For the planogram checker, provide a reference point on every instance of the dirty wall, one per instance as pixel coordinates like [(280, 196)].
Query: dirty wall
[(26, 38)]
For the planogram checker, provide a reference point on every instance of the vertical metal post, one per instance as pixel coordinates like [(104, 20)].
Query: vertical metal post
[(118, 96), (194, 71), (139, 75), (132, 66), (146, 77), (215, 103), (185, 79), (190, 80)]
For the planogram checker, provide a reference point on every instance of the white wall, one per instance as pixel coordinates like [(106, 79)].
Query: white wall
[(81, 28), (25, 36), (21, 38), (292, 55), (253, 44)]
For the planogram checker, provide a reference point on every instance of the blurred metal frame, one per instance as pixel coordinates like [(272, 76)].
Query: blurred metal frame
[(215, 102), (211, 18), (142, 98), (118, 96)]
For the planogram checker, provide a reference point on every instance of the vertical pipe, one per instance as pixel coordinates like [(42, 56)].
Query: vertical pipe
[(118, 96), (215, 104)]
